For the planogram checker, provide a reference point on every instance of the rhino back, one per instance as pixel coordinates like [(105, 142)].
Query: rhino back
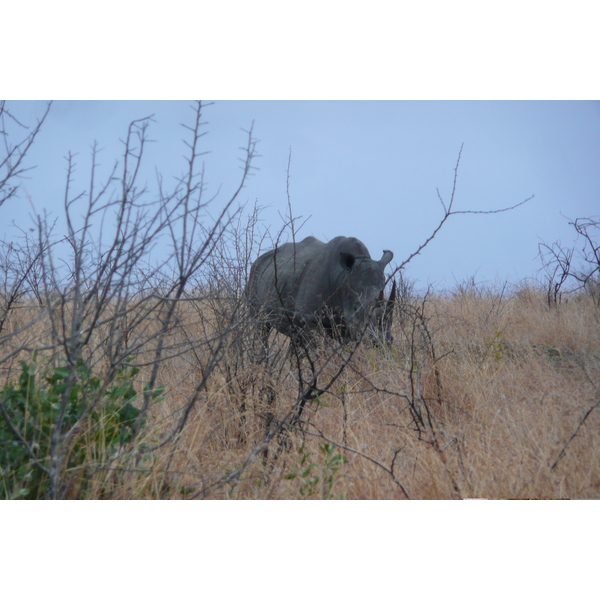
[(295, 282), (277, 277)]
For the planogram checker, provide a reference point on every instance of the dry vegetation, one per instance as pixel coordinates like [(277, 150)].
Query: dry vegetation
[(514, 380), (501, 382)]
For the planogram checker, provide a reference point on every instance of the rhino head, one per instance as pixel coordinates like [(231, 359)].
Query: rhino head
[(364, 308)]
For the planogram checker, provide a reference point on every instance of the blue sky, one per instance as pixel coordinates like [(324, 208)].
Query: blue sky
[(367, 169)]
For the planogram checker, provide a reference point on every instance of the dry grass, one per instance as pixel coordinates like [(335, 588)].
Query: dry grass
[(506, 380)]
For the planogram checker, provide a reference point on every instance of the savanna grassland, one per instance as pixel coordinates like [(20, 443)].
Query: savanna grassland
[(131, 369), (507, 381), (483, 394)]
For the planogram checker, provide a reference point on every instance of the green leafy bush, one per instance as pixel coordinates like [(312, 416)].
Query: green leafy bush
[(96, 419), (331, 464)]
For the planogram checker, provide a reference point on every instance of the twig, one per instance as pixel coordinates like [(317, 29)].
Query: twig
[(587, 414)]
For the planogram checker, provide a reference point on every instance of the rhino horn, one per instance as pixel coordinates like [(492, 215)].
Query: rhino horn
[(389, 307)]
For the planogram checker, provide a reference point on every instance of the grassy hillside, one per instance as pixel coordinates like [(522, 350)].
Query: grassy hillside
[(479, 396)]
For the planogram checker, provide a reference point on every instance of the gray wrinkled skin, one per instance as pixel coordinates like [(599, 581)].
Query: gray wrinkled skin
[(310, 286)]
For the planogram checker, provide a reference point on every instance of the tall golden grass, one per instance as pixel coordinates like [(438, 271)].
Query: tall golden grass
[(502, 382)]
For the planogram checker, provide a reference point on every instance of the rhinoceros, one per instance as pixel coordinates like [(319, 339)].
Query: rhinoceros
[(336, 287)]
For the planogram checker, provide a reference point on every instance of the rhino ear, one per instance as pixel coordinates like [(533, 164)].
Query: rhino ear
[(386, 258), (347, 260)]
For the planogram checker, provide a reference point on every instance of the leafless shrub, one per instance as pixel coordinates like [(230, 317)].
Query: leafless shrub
[(320, 364), (12, 164), (557, 263), (579, 265), (588, 275), (104, 303)]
